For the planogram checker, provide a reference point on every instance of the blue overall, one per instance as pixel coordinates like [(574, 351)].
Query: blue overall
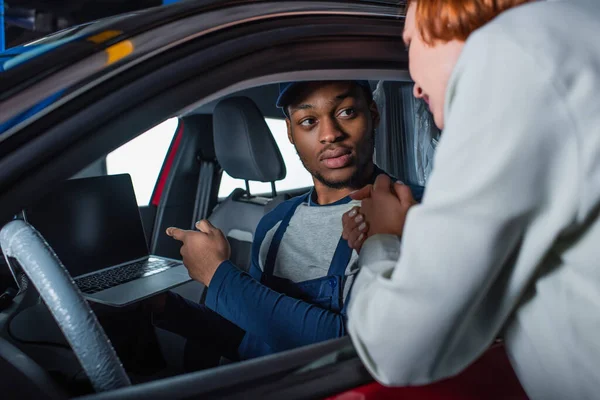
[(325, 292), (245, 311)]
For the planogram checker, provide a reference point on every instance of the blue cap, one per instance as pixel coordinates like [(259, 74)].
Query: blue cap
[(286, 87)]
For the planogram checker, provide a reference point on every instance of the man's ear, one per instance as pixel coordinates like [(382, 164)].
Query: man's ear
[(375, 117), (288, 125)]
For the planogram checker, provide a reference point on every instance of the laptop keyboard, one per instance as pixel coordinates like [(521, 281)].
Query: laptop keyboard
[(126, 273)]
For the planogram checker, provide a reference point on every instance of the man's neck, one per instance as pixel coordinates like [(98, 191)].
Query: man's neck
[(327, 195)]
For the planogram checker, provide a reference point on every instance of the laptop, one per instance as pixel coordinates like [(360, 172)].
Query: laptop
[(95, 228)]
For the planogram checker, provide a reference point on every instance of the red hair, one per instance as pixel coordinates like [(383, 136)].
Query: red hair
[(447, 20)]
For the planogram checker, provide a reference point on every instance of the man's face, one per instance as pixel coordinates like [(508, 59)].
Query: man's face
[(332, 127), (430, 66)]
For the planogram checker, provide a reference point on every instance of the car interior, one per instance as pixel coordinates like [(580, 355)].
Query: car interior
[(226, 136)]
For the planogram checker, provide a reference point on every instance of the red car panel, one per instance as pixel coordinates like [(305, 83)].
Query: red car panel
[(491, 377)]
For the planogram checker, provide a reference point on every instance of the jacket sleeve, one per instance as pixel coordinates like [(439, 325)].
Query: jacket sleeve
[(425, 309), (280, 321)]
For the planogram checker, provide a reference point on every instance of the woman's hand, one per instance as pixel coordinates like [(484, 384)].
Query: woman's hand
[(383, 211)]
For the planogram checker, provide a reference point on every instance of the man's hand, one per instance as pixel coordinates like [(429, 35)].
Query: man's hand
[(383, 211), (355, 228), (202, 251)]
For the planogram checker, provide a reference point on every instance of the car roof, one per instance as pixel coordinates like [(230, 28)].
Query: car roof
[(69, 41), (75, 45), (38, 77)]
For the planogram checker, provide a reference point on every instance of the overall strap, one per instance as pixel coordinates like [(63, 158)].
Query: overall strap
[(276, 241), (341, 258)]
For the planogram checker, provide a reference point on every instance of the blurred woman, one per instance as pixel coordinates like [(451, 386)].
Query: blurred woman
[(507, 239)]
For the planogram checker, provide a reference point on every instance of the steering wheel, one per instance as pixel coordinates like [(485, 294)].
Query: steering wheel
[(71, 311)]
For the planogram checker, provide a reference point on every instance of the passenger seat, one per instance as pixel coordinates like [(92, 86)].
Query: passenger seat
[(245, 149)]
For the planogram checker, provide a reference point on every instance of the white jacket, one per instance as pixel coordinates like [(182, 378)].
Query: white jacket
[(507, 238)]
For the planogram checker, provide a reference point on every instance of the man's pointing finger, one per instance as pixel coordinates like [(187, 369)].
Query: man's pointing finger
[(176, 233)]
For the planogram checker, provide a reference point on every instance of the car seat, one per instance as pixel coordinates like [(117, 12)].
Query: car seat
[(245, 149)]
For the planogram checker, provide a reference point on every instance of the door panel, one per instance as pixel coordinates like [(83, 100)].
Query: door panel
[(280, 376), (176, 190)]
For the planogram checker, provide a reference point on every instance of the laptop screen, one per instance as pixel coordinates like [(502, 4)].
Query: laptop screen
[(91, 223)]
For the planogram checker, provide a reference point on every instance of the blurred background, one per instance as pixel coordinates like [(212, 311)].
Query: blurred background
[(27, 20)]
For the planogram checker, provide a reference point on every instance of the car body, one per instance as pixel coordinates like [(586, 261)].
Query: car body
[(66, 105)]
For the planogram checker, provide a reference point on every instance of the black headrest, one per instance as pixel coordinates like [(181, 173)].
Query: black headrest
[(244, 144)]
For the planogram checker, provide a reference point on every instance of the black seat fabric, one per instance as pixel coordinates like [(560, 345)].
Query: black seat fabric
[(245, 149), (244, 144), (238, 219)]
